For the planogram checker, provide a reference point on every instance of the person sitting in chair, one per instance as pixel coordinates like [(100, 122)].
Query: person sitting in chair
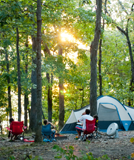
[(46, 122), (85, 115), (10, 121)]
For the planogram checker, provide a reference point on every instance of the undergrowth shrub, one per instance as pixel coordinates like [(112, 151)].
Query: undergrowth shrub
[(132, 141), (69, 155)]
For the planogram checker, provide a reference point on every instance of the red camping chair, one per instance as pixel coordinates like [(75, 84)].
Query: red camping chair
[(90, 128), (16, 130)]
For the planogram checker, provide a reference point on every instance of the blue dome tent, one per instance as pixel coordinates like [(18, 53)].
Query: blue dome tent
[(109, 110)]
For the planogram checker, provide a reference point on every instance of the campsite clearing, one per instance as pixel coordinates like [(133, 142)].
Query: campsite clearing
[(120, 148), (109, 110)]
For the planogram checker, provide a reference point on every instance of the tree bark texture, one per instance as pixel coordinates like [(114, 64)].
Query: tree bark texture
[(61, 105), (50, 81), (61, 99), (9, 88), (33, 111), (49, 99), (82, 101), (131, 59), (100, 59), (38, 137), (130, 50), (100, 53), (93, 56), (19, 75), (25, 108), (26, 94)]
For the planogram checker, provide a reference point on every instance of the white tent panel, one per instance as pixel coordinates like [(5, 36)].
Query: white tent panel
[(123, 113), (130, 111), (107, 112), (72, 118), (109, 106)]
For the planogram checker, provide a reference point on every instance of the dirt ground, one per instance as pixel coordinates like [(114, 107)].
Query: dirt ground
[(115, 148)]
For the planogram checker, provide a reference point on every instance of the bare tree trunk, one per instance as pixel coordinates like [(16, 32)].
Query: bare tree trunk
[(25, 108), (38, 137), (61, 105), (33, 111), (19, 76), (93, 51), (100, 58), (100, 53), (50, 81), (49, 99), (82, 103), (130, 50), (61, 99), (9, 88), (26, 94)]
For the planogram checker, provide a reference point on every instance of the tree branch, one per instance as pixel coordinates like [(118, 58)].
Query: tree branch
[(122, 7), (120, 29)]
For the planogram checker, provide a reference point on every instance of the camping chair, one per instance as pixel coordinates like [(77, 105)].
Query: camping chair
[(17, 130), (48, 135), (90, 128)]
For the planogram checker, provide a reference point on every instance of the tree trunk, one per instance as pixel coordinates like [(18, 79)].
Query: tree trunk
[(93, 51), (131, 59), (33, 111), (25, 108), (130, 50), (19, 76), (49, 99), (50, 81), (61, 99), (26, 94), (38, 137), (100, 53), (100, 76), (9, 88), (82, 103), (61, 105)]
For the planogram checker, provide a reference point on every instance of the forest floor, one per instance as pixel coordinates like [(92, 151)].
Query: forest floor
[(116, 149)]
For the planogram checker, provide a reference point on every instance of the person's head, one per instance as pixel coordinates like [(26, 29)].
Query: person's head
[(96, 117), (87, 111), (11, 120), (45, 121)]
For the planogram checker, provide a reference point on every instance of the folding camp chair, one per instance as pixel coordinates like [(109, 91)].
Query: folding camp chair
[(47, 133), (17, 130), (90, 128)]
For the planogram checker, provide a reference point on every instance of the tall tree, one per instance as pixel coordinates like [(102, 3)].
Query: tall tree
[(49, 96), (26, 101), (33, 111), (124, 28), (93, 54), (19, 76), (9, 87), (100, 52), (38, 137), (50, 82), (61, 97)]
